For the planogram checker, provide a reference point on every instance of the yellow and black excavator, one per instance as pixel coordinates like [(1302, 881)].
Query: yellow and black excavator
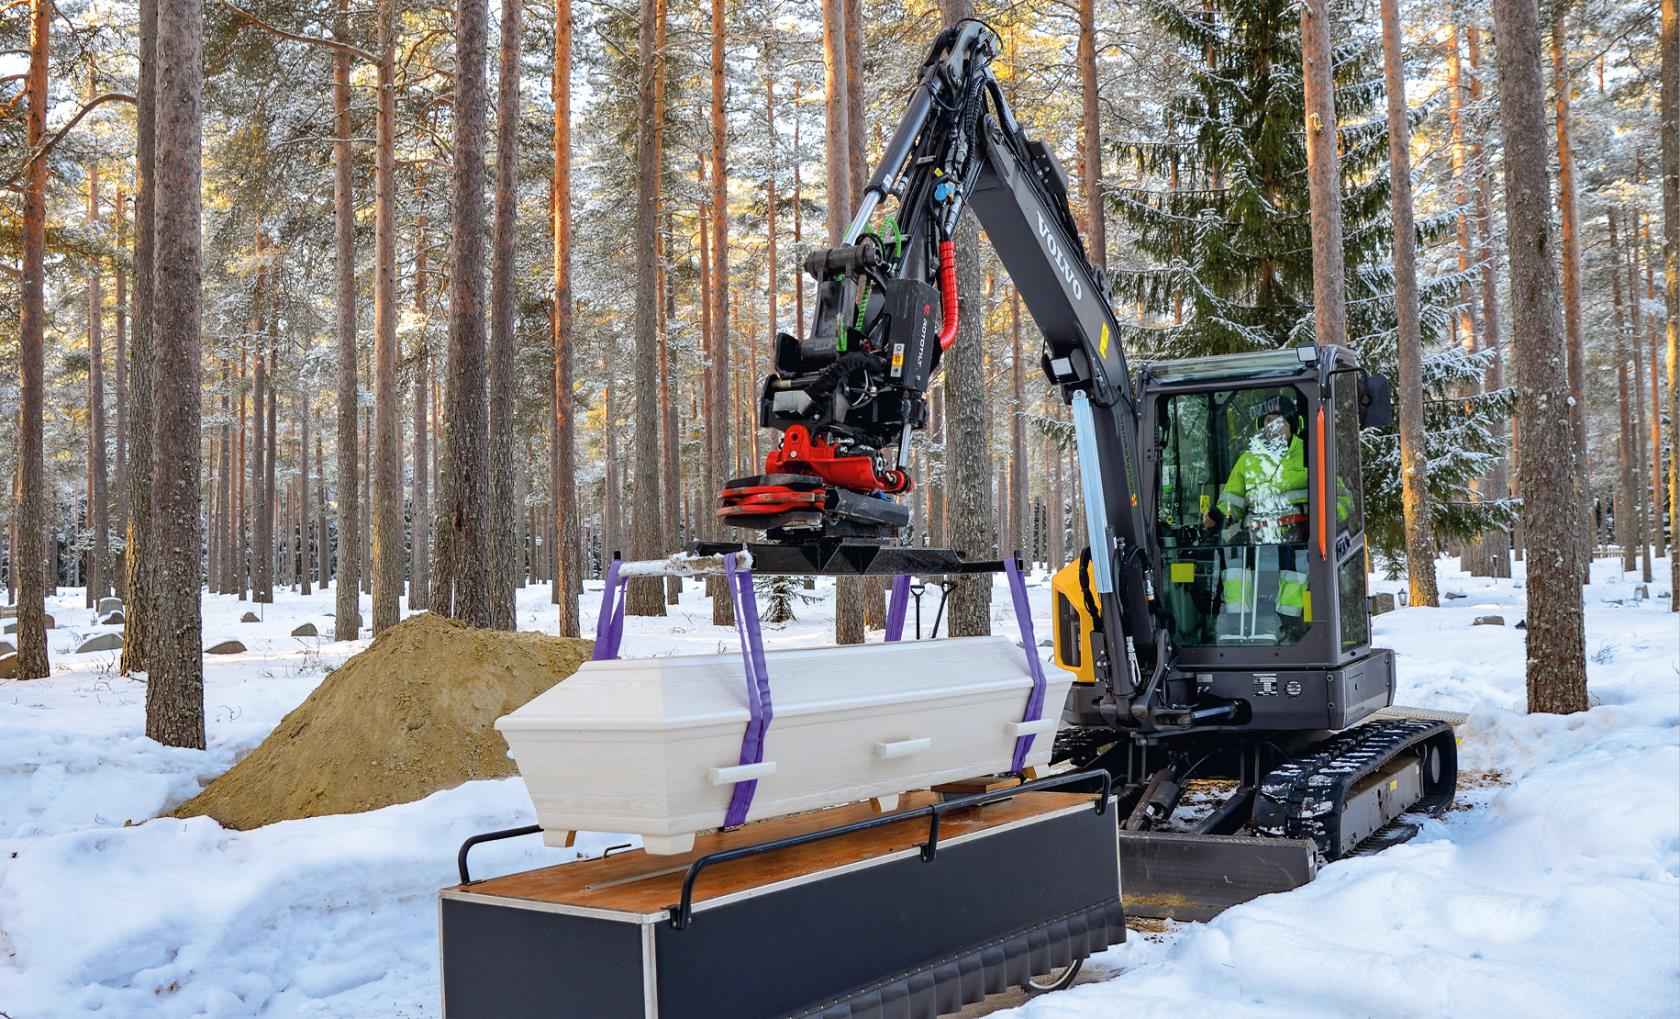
[(1217, 625), (1228, 707)]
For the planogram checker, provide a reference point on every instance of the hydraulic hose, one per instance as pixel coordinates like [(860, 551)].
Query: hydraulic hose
[(947, 293)]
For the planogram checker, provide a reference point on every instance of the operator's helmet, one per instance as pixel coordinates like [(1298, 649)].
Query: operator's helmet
[(1282, 406)]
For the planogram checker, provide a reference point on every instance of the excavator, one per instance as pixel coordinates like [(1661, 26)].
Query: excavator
[(1224, 673), (1226, 702)]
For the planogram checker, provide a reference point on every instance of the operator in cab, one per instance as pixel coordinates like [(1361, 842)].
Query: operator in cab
[(1265, 499)]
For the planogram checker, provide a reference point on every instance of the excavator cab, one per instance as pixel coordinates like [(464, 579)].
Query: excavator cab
[(1250, 476)]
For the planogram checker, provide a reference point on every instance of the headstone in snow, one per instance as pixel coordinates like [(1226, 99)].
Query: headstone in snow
[(6, 647), (1451, 595), (1381, 603), (9, 666), (102, 642), (249, 617), (114, 619), (306, 630), (226, 647), (1641, 592), (12, 625), (1489, 621), (109, 605)]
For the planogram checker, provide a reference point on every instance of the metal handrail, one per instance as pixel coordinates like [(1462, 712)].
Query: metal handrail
[(682, 914), (489, 836)]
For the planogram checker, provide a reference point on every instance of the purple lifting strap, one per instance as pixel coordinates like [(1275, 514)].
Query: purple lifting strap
[(896, 606), (759, 711), (609, 625), (1035, 699)]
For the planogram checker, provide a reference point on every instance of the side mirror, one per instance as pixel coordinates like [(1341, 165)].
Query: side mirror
[(1376, 405)]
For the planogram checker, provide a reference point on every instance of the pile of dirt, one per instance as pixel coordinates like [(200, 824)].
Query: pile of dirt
[(411, 715)]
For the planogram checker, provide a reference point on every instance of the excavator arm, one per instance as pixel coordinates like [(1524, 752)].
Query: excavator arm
[(849, 397)]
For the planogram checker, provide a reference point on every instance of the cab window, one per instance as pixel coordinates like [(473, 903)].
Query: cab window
[(1232, 507)]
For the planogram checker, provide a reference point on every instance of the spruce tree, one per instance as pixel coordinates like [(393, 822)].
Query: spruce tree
[(1224, 235)]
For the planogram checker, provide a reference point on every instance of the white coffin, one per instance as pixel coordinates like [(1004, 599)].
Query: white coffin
[(652, 746)]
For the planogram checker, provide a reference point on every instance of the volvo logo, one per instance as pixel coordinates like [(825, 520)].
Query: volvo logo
[(1057, 256)]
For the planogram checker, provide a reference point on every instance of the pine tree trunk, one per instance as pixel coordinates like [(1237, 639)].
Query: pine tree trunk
[(240, 534), (568, 581), (503, 519), (385, 510), (137, 550), (1657, 497), (1636, 436), (1497, 486), (1096, 237), (365, 500), (1626, 515), (718, 431), (419, 561), (99, 576), (120, 365), (301, 407), (461, 569), (1669, 46), (347, 576), (222, 522), (849, 613), (612, 536), (1465, 319), (968, 457), (175, 680), (1570, 230), (1323, 176), (271, 434), (1557, 680), (323, 550), (260, 546), (1414, 458), (32, 489), (857, 164), (645, 595)]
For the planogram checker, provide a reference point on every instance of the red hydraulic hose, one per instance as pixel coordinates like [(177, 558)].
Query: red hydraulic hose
[(948, 294)]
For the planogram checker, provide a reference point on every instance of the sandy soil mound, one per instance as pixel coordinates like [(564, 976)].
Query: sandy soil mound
[(409, 716)]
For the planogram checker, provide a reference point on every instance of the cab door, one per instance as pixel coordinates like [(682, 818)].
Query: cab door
[(1340, 524)]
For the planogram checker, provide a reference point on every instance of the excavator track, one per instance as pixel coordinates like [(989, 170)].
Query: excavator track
[(1351, 787)]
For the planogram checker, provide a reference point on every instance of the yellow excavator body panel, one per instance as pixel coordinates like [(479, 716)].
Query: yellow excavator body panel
[(1071, 624)]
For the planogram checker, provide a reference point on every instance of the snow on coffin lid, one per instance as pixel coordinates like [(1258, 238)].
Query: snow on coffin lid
[(652, 746)]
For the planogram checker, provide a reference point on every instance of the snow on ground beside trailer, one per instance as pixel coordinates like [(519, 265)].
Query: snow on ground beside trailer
[(1557, 892)]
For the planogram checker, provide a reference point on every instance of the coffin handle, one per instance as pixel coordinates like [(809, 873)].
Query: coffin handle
[(740, 773), (1036, 727), (903, 747)]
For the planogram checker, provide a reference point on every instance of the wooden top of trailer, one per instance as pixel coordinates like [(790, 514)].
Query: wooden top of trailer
[(634, 882)]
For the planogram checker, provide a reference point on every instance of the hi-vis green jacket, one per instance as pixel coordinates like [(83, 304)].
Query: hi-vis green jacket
[(1266, 486)]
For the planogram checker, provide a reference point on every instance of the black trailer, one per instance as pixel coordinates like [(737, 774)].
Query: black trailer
[(836, 913)]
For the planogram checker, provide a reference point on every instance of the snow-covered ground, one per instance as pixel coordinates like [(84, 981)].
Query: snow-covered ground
[(1553, 891)]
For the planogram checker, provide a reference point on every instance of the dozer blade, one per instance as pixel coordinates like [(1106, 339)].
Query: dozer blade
[(1174, 876)]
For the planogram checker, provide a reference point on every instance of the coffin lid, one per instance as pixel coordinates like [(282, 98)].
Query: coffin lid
[(688, 691)]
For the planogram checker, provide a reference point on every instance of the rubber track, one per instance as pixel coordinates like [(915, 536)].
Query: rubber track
[(1303, 798)]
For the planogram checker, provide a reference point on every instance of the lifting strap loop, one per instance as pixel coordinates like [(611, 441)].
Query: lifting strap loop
[(897, 606), (609, 625), (759, 711), (1035, 699)]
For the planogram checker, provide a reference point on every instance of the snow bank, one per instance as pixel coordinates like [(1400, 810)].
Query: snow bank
[(1556, 892)]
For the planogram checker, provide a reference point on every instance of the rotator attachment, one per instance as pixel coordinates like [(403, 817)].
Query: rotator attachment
[(809, 484)]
